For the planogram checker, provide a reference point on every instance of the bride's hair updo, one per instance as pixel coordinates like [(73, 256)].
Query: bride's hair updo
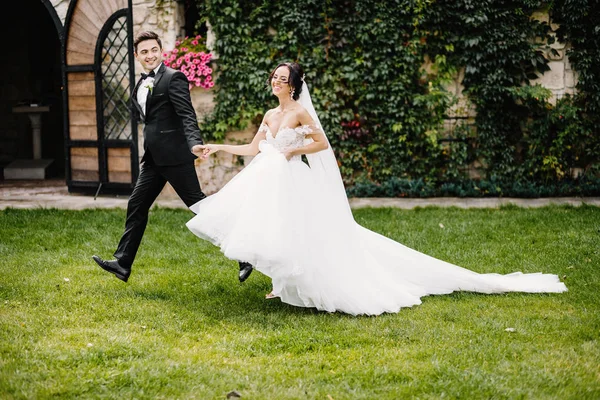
[(295, 79)]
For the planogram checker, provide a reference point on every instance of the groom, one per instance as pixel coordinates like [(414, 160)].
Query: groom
[(171, 136)]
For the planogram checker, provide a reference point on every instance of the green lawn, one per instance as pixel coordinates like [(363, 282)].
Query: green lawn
[(185, 328)]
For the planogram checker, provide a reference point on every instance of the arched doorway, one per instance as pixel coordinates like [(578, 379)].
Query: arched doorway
[(101, 144), (31, 69)]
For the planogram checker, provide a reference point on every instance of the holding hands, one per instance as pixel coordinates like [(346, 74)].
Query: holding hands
[(204, 150)]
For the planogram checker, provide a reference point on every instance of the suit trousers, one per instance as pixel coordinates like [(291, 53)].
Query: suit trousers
[(150, 183)]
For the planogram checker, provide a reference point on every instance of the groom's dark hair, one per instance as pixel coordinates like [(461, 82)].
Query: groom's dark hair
[(296, 77), (147, 35)]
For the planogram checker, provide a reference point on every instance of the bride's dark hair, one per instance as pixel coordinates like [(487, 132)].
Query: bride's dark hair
[(295, 79)]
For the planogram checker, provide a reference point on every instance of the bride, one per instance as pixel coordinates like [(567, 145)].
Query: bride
[(292, 222)]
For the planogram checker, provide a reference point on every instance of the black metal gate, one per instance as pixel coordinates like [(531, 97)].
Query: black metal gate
[(117, 130)]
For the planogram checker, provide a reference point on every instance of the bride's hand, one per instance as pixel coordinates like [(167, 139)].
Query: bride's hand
[(288, 154)]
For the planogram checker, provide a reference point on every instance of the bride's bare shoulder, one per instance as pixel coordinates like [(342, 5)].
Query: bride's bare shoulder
[(268, 114), (300, 110)]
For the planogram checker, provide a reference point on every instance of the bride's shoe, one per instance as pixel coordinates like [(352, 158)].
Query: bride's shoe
[(270, 296)]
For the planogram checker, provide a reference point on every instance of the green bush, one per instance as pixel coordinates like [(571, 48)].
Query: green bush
[(418, 188)]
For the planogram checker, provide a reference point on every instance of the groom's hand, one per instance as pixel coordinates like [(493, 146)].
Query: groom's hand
[(198, 149)]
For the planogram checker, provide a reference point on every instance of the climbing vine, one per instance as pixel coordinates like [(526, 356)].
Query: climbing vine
[(377, 71)]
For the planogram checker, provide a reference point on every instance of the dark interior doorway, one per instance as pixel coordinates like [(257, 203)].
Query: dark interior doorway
[(31, 71), (193, 25)]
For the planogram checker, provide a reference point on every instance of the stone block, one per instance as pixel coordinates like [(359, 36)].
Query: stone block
[(556, 94), (570, 78), (556, 55), (203, 101), (61, 7), (553, 79), (211, 40), (140, 13), (27, 169), (567, 62), (541, 16)]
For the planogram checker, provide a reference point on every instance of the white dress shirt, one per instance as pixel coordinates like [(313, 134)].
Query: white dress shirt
[(142, 93)]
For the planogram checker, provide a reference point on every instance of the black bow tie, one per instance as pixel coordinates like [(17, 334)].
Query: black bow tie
[(144, 76)]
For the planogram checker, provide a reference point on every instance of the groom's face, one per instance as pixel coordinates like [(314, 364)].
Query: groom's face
[(149, 54)]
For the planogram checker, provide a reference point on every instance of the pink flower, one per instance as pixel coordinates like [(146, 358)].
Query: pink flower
[(177, 43), (198, 37), (165, 55), (195, 42), (175, 50), (192, 66), (211, 84), (184, 49), (196, 61)]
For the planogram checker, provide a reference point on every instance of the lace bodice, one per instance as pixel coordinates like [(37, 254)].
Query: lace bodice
[(287, 138)]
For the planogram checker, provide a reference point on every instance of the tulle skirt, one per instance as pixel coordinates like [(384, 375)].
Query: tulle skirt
[(273, 215)]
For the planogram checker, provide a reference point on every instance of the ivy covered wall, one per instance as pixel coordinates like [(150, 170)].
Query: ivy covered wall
[(378, 69)]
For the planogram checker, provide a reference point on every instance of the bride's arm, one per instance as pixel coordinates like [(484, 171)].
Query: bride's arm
[(316, 134), (250, 149)]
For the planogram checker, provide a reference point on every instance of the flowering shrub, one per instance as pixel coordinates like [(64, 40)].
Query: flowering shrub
[(191, 57)]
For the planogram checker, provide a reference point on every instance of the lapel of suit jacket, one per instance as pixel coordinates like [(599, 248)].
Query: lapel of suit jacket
[(135, 102), (157, 78)]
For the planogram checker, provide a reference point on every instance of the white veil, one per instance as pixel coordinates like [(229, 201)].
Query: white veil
[(324, 167)]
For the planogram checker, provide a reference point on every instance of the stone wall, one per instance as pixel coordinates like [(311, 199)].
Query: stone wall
[(166, 17), (61, 7), (561, 79)]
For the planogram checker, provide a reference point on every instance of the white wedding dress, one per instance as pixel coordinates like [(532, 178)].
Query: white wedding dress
[(295, 226)]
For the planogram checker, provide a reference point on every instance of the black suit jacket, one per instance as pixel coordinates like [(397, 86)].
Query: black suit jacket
[(171, 128)]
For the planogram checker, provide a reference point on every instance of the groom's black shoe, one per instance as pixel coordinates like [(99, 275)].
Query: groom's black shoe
[(114, 267), (245, 270)]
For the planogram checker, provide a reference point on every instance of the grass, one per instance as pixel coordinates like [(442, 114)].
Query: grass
[(185, 328)]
